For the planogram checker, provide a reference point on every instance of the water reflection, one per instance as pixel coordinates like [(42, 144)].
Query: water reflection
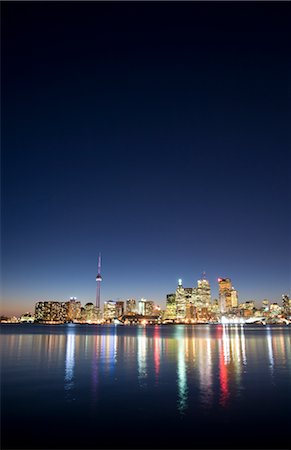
[(181, 372), (70, 361), (243, 345), (157, 351), (96, 346), (205, 372), (270, 350), (142, 356), (205, 367)]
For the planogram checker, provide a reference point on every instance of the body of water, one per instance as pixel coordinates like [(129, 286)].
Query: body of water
[(87, 386)]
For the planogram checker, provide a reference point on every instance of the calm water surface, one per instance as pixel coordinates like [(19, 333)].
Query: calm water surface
[(79, 386)]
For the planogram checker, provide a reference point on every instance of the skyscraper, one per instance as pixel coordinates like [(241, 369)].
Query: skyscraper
[(202, 295), (109, 310), (149, 308), (182, 296), (286, 304), (224, 294), (234, 298), (141, 306), (170, 307), (119, 305), (131, 306)]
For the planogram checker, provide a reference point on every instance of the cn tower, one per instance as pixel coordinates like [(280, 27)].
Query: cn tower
[(98, 279)]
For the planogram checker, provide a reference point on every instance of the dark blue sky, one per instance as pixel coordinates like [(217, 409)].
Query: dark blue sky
[(156, 133)]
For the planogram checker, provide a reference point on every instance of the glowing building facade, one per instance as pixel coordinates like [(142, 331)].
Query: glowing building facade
[(131, 306), (119, 306), (109, 310), (225, 289), (51, 311), (170, 312)]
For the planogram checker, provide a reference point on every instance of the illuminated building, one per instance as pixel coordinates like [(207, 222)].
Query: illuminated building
[(224, 294), (234, 298), (119, 306), (247, 308), (275, 309), (202, 293), (286, 305), (27, 318), (190, 311), (182, 295), (247, 305), (265, 305), (141, 306), (170, 312), (50, 311), (90, 313), (215, 306), (149, 308), (131, 306), (73, 310), (109, 310)]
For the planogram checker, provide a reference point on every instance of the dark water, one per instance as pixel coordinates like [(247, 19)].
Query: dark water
[(78, 386)]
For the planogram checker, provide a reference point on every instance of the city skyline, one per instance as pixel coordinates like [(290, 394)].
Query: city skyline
[(166, 151), (14, 310)]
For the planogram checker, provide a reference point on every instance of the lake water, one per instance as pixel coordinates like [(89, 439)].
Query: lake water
[(87, 386)]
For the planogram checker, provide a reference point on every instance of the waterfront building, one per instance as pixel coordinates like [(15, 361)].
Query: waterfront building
[(119, 306), (73, 310), (109, 310), (50, 311), (181, 301), (247, 308), (286, 305), (225, 289), (27, 318), (131, 306), (275, 309), (90, 313), (202, 293), (265, 305), (214, 308), (149, 308), (190, 311), (141, 306), (247, 305), (170, 312), (234, 298)]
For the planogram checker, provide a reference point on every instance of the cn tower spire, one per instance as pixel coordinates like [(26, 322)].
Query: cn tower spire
[(98, 279)]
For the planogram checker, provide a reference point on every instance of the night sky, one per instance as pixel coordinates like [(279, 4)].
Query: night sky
[(156, 133)]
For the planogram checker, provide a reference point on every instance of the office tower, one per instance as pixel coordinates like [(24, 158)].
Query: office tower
[(119, 306), (50, 311), (131, 306), (73, 309), (202, 293), (286, 305), (224, 294), (90, 313), (171, 307), (275, 309), (182, 295), (190, 311), (141, 306), (234, 298), (109, 310), (265, 305), (149, 308)]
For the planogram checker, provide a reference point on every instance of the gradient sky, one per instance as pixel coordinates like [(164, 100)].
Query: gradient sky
[(156, 133)]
